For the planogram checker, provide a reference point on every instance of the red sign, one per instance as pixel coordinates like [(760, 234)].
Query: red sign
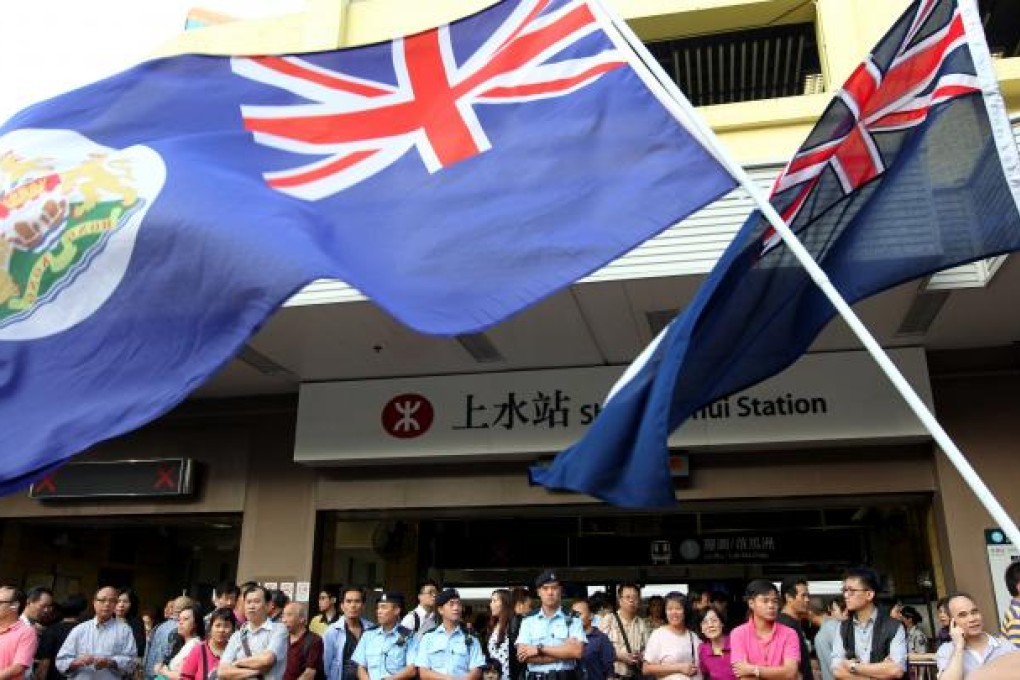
[(407, 416)]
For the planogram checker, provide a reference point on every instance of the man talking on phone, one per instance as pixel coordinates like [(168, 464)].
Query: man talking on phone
[(970, 646)]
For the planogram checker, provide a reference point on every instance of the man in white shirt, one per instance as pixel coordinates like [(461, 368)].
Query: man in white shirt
[(102, 648), (422, 618), (259, 648)]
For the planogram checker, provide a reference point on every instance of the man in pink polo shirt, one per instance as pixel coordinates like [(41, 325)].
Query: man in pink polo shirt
[(762, 648), (18, 640)]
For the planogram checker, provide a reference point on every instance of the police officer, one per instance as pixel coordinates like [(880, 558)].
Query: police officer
[(551, 640), (386, 651), (449, 652)]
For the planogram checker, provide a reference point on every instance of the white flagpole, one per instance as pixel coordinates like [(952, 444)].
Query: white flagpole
[(920, 409)]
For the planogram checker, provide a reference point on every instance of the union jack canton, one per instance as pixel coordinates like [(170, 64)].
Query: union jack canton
[(359, 126), (891, 92)]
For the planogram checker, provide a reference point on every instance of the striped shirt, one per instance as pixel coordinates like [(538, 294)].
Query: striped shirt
[(1011, 622)]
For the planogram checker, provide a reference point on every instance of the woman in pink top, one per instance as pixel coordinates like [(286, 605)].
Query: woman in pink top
[(762, 648), (205, 658), (714, 653), (671, 653)]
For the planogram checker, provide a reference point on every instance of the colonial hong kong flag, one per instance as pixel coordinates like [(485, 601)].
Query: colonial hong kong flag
[(150, 222), (911, 169)]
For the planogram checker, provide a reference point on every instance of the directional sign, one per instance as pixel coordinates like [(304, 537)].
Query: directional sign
[(165, 477)]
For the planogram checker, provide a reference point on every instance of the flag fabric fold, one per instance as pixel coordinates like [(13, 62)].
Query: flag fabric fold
[(911, 169), (149, 223)]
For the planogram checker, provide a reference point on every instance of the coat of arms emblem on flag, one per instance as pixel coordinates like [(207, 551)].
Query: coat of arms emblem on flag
[(67, 226)]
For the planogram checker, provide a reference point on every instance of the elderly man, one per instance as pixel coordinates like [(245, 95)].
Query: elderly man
[(970, 646), (101, 648), (259, 647), (304, 655)]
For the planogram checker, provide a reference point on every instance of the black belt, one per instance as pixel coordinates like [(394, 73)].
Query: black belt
[(553, 675)]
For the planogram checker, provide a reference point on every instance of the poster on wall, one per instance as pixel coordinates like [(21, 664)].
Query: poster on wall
[(1001, 553)]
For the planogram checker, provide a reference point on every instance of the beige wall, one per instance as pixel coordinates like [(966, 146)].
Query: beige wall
[(982, 417), (777, 475)]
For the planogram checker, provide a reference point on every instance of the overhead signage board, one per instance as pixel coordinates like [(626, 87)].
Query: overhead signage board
[(165, 477), (823, 398)]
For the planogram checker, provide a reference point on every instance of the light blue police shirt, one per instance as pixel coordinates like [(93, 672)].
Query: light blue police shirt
[(551, 631), (450, 653), (385, 653)]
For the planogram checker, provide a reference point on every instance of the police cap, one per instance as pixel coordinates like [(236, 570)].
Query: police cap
[(446, 595), (547, 576), (392, 596)]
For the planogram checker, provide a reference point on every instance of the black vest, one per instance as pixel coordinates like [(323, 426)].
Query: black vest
[(882, 635)]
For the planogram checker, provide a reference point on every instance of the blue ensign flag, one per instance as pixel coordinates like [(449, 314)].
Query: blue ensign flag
[(911, 169), (152, 221)]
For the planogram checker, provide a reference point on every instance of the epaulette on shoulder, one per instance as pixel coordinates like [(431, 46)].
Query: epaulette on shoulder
[(404, 631)]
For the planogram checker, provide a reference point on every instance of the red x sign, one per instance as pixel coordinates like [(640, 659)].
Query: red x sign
[(46, 485), (166, 478)]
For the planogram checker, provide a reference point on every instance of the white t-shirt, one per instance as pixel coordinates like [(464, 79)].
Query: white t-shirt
[(665, 646)]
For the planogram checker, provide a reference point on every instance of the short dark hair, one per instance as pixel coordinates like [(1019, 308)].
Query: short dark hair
[(838, 600), (247, 587), (74, 606), (331, 589), (266, 593), (627, 585), (223, 614), (35, 593), (279, 598), (760, 586), (1013, 579), (426, 583), (520, 595), (789, 586), (710, 609), (866, 575), (17, 594), (226, 588), (354, 589)]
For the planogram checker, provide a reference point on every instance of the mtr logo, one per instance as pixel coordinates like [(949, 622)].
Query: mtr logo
[(407, 416)]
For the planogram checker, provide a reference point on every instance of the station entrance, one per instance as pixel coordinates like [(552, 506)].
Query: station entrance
[(700, 546), (157, 556)]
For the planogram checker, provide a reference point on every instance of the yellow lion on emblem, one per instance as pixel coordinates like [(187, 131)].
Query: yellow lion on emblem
[(97, 176)]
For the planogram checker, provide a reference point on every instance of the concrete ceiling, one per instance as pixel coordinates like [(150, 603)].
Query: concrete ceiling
[(588, 324)]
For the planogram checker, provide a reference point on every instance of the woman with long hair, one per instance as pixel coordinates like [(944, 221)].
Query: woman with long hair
[(205, 658), (127, 610), (190, 633), (714, 653), (672, 650), (500, 610)]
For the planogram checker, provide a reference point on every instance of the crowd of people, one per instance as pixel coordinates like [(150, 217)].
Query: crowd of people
[(250, 632)]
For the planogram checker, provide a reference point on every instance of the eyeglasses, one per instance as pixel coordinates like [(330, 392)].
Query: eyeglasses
[(852, 591)]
